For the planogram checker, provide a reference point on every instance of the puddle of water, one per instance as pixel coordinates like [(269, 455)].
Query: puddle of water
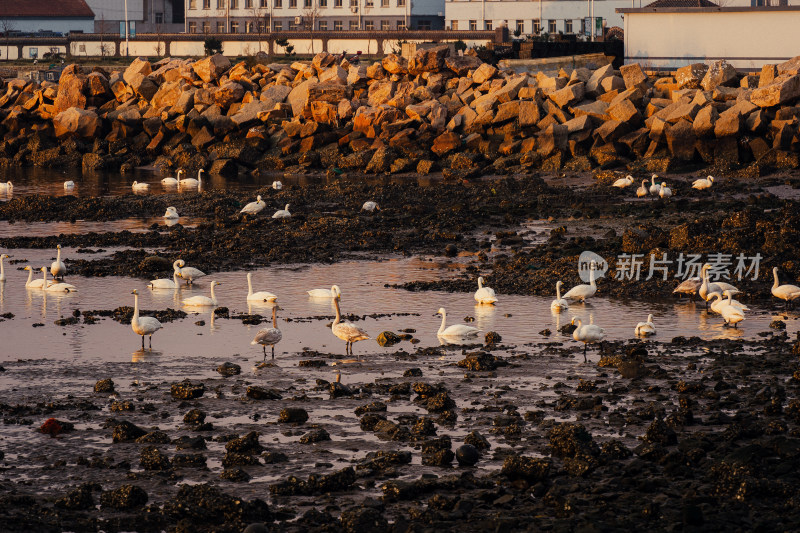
[(82, 227), (518, 319)]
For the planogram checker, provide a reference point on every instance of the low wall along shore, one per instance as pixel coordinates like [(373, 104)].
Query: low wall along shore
[(431, 112)]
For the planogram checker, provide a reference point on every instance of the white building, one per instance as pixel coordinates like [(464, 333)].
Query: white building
[(144, 16), (261, 16), (32, 16)]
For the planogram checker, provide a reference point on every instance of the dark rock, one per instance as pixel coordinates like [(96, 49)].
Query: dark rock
[(186, 390), (315, 435), (104, 385), (467, 455), (126, 432), (293, 415), (248, 444), (124, 497), (194, 417), (151, 458), (229, 369), (530, 469), (387, 338), (261, 393), (235, 474)]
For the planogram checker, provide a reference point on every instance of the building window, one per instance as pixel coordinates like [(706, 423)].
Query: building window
[(473, 25), (278, 4), (192, 4), (487, 25), (323, 25), (277, 25), (307, 3), (248, 4), (262, 26), (220, 27), (521, 26), (551, 26), (159, 18), (206, 4), (220, 4), (292, 25), (264, 3), (385, 25), (337, 25), (454, 25), (323, 3), (193, 27), (292, 4), (424, 25), (353, 25), (401, 25), (368, 3), (206, 27), (369, 25), (568, 26), (401, 3), (234, 26), (353, 3), (337, 3), (537, 26), (384, 3), (234, 4)]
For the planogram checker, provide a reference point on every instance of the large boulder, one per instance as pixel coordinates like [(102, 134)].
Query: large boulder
[(97, 85), (167, 95), (139, 67), (690, 76), (212, 67), (428, 60), (228, 93), (633, 75), (461, 65), (784, 88), (719, 73), (70, 89), (395, 64), (80, 122), (483, 73)]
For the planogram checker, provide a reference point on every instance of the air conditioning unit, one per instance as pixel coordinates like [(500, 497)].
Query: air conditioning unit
[(298, 20), (440, 14), (353, 9)]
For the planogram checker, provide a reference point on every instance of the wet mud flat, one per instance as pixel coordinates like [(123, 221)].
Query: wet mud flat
[(665, 436)]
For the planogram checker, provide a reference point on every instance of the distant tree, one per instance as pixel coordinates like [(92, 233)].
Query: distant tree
[(7, 26), (212, 46)]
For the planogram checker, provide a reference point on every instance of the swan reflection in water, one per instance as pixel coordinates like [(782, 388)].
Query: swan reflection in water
[(145, 355)]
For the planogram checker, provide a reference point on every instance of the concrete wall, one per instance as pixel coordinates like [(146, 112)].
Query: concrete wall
[(676, 39), (61, 25)]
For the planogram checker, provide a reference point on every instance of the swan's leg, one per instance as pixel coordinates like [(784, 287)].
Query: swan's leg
[(264, 346), (142, 342), (151, 341), (273, 351)]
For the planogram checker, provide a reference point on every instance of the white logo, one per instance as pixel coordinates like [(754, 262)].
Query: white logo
[(588, 261)]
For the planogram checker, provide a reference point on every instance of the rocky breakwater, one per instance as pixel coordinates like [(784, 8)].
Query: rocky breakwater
[(396, 115)]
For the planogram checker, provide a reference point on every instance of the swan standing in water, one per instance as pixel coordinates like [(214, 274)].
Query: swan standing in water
[(7, 187), (581, 292), (164, 283), (703, 183), (203, 301), (254, 208), (370, 206), (731, 313), (654, 187), (345, 330), (456, 330), (623, 182), (690, 287), (787, 293), (718, 302), (642, 191), (171, 213), (588, 334), (645, 329), (187, 273), (172, 182), (140, 187), (192, 182), (57, 268), (33, 283), (269, 336), (706, 288), (559, 304), (324, 293), (146, 325), (2, 268), (484, 295), (261, 296), (69, 185), (277, 185), (57, 287), (664, 191), (282, 213)]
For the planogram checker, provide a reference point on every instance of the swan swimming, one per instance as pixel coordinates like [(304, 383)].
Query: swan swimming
[(140, 187), (559, 304), (69, 185), (57, 287), (146, 325), (456, 330), (703, 183), (269, 336), (654, 187), (7, 187), (172, 182), (587, 334), (192, 182), (261, 296), (33, 283), (202, 301), (642, 191), (282, 213), (664, 191), (277, 185), (484, 295), (788, 293), (344, 330), (581, 292), (254, 208), (623, 182), (187, 273), (324, 293), (57, 268), (164, 283), (2, 268), (645, 329), (370, 206), (171, 213)]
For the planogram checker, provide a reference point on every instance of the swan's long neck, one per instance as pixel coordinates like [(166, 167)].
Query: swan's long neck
[(175, 266), (212, 292), (774, 273), (591, 277), (30, 278), (578, 323), (558, 291), (58, 256), (338, 313), (480, 283), (2, 269), (730, 299), (175, 278), (644, 182), (44, 271), (704, 274), (286, 208), (275, 317), (444, 319), (135, 318), (249, 285)]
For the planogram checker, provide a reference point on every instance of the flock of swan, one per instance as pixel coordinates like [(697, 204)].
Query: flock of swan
[(659, 189)]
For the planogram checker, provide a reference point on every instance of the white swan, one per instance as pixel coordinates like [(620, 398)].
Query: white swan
[(164, 283), (324, 293), (642, 191), (484, 295), (69, 185), (718, 302), (254, 208), (456, 330), (788, 293), (2, 268), (192, 182), (587, 334), (33, 283), (581, 292), (623, 182), (690, 286), (57, 268), (654, 187), (171, 213), (277, 185), (187, 273), (140, 187), (559, 304), (7, 187), (664, 191), (644, 329), (346, 331), (57, 287), (282, 213), (261, 296), (718, 286), (201, 301), (731, 313), (370, 206), (269, 336), (146, 325), (703, 183), (170, 181)]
